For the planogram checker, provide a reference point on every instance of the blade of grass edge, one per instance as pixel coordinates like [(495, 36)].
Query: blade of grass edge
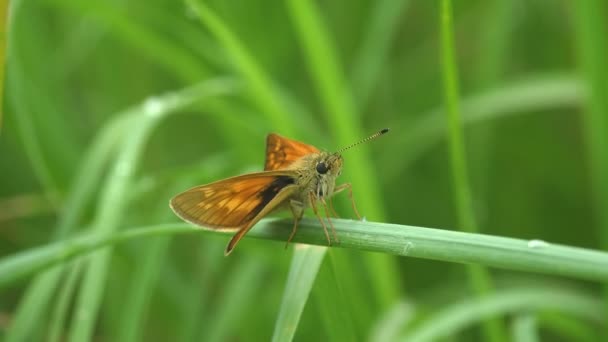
[(419, 242), (593, 49), (4, 27), (478, 276), (341, 113), (524, 328), (112, 203), (456, 317), (34, 302), (302, 273)]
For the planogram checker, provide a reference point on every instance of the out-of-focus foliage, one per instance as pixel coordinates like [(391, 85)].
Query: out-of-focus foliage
[(112, 107)]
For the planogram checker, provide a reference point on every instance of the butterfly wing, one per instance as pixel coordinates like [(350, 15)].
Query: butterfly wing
[(233, 203), (281, 151)]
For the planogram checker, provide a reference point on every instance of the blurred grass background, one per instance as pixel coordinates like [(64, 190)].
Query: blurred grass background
[(112, 107)]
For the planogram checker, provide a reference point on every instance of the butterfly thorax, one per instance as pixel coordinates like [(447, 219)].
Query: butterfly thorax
[(316, 174)]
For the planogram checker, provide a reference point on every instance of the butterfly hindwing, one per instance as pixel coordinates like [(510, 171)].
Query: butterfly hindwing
[(281, 151), (231, 203)]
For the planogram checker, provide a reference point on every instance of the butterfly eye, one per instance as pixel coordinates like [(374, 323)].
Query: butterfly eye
[(322, 168)]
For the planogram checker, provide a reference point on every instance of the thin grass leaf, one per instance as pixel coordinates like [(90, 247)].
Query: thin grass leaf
[(305, 264), (175, 59), (60, 312), (112, 203), (541, 92), (143, 282), (479, 277), (240, 290), (331, 297), (375, 45), (340, 109), (456, 317), (524, 328), (389, 326), (571, 328), (3, 47), (197, 304), (593, 50), (35, 300), (16, 83), (495, 42), (263, 92), (428, 243)]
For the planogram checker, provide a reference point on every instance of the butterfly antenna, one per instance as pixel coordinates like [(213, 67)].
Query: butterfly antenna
[(371, 137)]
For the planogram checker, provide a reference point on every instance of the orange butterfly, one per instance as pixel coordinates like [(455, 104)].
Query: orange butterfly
[(295, 175)]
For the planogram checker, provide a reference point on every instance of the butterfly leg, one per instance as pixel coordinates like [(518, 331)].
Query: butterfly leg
[(333, 230), (331, 208), (313, 204), (348, 186), (297, 209)]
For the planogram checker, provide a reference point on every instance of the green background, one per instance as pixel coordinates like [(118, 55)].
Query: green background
[(112, 107)]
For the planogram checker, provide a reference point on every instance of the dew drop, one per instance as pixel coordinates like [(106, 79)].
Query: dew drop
[(537, 244)]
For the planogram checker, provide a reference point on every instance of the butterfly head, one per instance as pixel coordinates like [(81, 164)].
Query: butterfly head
[(327, 167)]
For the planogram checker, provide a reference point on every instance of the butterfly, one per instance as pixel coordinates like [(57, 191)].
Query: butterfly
[(296, 175)]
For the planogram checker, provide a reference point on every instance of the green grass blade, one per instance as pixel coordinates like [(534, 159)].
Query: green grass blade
[(331, 296), (35, 300), (390, 325), (263, 92), (341, 114), (113, 200), (186, 66), (240, 290), (524, 328), (428, 243), (60, 312), (541, 92), (375, 44), (591, 26), (3, 48), (479, 278), (571, 328), (194, 306), (139, 291), (456, 317), (22, 108), (302, 274)]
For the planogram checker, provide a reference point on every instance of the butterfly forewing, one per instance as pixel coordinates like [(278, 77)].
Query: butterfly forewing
[(230, 203), (281, 152)]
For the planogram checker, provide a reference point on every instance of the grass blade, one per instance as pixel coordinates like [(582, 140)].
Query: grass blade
[(262, 90), (341, 114), (302, 273), (60, 313), (113, 201), (331, 296), (3, 48), (374, 48), (591, 25), (34, 302), (478, 276), (428, 243), (541, 92), (456, 317), (524, 328)]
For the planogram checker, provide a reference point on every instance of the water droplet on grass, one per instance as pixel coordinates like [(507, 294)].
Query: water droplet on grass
[(537, 244)]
